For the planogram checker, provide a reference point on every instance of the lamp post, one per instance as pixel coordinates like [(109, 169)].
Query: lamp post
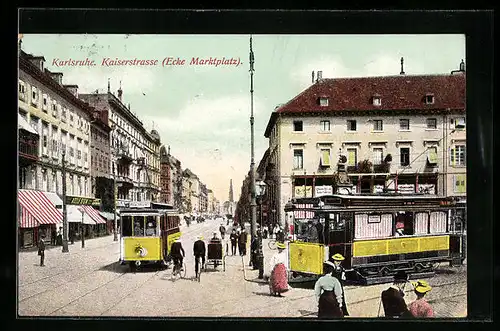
[(65, 212), (253, 203), (82, 229), (115, 196)]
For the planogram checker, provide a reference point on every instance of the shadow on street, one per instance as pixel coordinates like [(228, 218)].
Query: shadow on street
[(121, 269)]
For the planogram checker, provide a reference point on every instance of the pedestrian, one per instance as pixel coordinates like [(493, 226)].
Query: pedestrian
[(420, 308), (222, 230), (243, 242), (234, 239), (278, 280), (393, 300), (41, 250), (339, 273), (199, 251), (53, 235), (177, 253), (328, 293)]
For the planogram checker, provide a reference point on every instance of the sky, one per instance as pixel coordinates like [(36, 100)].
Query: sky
[(203, 111)]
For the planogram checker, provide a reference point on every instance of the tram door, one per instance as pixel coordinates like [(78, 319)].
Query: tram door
[(340, 235)]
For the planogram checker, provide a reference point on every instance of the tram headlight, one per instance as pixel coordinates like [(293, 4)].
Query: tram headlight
[(141, 251)]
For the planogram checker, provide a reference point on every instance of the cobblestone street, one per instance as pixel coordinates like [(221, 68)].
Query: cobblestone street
[(90, 282)]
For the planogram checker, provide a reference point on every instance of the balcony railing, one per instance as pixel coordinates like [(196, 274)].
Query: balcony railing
[(124, 156), (28, 150)]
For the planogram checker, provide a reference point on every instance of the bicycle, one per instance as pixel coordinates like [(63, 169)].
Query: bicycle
[(200, 267), (177, 271)]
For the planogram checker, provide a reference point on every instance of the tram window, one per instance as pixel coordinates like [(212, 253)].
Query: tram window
[(151, 226), (404, 224), (139, 226), (338, 224), (126, 226)]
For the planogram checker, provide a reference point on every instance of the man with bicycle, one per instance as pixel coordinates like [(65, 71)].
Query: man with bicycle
[(199, 251), (177, 253)]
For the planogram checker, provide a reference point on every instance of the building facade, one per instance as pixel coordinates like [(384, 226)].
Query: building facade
[(135, 153), (171, 178), (401, 133), (203, 198), (63, 123)]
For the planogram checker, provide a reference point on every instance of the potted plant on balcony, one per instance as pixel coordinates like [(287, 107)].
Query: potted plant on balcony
[(365, 166)]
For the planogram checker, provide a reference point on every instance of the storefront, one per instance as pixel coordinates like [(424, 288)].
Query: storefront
[(312, 186), (38, 216), (82, 217)]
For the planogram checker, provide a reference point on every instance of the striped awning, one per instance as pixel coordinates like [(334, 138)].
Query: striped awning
[(94, 214), (39, 208), (26, 220)]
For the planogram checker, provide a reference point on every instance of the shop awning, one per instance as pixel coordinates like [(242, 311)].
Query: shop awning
[(74, 215), (23, 125), (26, 220), (55, 199), (94, 214), (39, 208), (109, 216)]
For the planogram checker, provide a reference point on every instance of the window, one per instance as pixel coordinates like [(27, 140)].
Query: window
[(79, 155), (22, 91), (460, 184), (378, 155), (432, 155), (352, 158), (404, 124), (378, 125), (460, 123), (150, 226), (71, 151), (351, 125), (297, 126), (34, 96), (325, 157), (63, 115), (71, 119), (325, 125), (429, 99), (432, 123), (34, 123), (377, 101), (404, 156), (54, 109), (298, 159), (45, 103), (457, 155), (323, 101)]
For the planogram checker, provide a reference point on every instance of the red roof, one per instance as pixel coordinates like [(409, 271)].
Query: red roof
[(402, 92)]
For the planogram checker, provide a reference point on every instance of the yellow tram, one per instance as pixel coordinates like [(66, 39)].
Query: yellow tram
[(377, 234), (147, 233)]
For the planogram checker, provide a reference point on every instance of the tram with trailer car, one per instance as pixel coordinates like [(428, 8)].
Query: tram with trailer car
[(378, 235), (147, 233)]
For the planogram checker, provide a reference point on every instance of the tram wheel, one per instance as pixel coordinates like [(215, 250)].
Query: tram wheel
[(133, 267)]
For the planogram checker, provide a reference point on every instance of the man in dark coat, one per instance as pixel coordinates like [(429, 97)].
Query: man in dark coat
[(234, 239), (199, 251), (177, 253), (41, 250), (393, 300), (242, 240)]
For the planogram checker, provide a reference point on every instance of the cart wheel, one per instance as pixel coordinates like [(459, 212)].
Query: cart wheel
[(183, 273)]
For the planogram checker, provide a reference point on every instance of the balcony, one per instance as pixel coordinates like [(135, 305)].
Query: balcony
[(123, 156), (28, 151), (381, 168), (124, 182)]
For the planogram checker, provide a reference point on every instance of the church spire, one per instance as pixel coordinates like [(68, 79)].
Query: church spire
[(231, 190)]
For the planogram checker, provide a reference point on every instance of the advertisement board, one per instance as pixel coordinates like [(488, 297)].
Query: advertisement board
[(323, 190)]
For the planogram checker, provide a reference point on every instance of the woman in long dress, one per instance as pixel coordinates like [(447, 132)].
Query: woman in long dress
[(329, 294), (339, 273), (278, 281)]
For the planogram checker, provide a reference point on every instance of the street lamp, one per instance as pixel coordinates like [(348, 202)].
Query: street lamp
[(65, 212), (82, 228), (115, 188)]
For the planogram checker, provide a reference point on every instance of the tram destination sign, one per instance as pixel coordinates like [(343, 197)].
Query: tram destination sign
[(73, 200)]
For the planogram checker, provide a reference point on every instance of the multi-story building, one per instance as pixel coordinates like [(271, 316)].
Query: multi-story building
[(63, 123), (135, 152), (187, 206), (210, 201), (399, 133), (171, 178), (203, 198)]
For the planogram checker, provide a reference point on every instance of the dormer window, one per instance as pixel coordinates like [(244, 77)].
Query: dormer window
[(377, 100), (323, 101), (429, 99)]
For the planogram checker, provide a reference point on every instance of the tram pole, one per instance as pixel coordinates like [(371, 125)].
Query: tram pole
[(115, 197), (65, 248), (253, 203)]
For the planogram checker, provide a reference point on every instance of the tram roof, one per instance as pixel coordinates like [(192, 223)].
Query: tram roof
[(374, 196), (146, 211)]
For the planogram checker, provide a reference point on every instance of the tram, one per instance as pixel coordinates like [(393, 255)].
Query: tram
[(378, 235), (147, 233)]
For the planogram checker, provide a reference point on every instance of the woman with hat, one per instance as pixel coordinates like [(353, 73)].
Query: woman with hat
[(278, 281), (393, 298), (329, 293), (420, 307), (339, 273)]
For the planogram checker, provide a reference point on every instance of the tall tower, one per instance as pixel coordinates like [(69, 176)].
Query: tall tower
[(231, 191)]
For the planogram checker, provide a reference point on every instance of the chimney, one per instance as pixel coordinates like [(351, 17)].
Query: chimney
[(57, 76), (402, 66), (319, 76), (129, 106), (109, 86), (168, 150), (73, 89), (462, 66), (120, 91), (312, 77)]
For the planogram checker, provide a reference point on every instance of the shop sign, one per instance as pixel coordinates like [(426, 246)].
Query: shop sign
[(323, 190), (406, 188), (139, 204), (72, 200), (427, 188), (299, 192)]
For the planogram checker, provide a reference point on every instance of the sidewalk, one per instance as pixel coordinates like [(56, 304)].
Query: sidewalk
[(49, 246)]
